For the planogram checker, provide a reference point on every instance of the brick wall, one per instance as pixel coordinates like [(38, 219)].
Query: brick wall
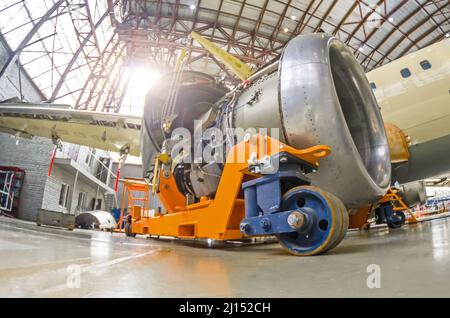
[(53, 186), (33, 156)]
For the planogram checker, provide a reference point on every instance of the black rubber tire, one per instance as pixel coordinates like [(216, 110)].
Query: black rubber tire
[(128, 230)]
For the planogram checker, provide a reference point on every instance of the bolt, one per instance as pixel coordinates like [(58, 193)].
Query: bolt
[(296, 220), (283, 159), (266, 225), (245, 227)]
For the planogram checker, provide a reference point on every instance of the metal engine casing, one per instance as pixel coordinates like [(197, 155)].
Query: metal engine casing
[(413, 193), (320, 95), (205, 179)]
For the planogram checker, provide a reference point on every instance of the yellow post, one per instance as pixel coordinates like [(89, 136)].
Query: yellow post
[(238, 67)]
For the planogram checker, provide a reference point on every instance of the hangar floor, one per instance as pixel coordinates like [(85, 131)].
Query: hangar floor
[(39, 262)]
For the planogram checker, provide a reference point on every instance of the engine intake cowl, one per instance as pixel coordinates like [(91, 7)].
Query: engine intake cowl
[(320, 95)]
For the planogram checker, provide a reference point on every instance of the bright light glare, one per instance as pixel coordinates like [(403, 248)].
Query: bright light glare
[(142, 79), (130, 159)]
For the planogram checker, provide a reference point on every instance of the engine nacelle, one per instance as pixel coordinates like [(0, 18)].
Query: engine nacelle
[(317, 93), (413, 193)]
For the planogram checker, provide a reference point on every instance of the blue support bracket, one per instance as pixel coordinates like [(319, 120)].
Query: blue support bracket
[(263, 198), (278, 223)]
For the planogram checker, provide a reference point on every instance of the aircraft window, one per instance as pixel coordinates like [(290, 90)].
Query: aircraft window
[(426, 65), (373, 85), (405, 73)]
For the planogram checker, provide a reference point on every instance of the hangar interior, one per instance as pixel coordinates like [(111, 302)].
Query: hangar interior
[(357, 176)]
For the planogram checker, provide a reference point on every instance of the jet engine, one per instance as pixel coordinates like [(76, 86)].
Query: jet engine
[(316, 93), (413, 193)]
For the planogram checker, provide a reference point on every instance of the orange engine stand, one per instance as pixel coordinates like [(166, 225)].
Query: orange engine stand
[(359, 219), (398, 204), (136, 193), (217, 218)]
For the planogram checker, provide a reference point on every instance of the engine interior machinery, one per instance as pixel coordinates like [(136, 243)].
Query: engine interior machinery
[(316, 93)]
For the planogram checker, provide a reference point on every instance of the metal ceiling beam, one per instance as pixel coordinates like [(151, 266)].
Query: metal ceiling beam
[(326, 15), (420, 38), (400, 5), (346, 16), (277, 28), (255, 40), (396, 27), (12, 58), (363, 20), (93, 74), (409, 32), (58, 86)]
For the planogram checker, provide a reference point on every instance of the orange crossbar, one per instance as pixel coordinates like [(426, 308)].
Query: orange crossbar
[(130, 186)]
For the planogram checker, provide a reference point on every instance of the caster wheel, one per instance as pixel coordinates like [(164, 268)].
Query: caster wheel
[(328, 221), (379, 219), (128, 230), (397, 220)]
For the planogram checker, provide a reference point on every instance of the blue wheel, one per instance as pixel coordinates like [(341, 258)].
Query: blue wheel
[(397, 220), (328, 221)]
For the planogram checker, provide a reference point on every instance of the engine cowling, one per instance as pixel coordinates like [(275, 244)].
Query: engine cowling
[(413, 193), (320, 95)]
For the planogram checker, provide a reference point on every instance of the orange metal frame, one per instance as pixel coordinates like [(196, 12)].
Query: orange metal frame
[(217, 218), (359, 219), (136, 204), (398, 204)]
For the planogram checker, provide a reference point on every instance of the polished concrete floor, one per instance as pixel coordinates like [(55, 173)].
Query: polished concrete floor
[(41, 262)]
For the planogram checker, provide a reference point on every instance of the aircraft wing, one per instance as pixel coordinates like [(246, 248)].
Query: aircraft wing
[(105, 131)]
